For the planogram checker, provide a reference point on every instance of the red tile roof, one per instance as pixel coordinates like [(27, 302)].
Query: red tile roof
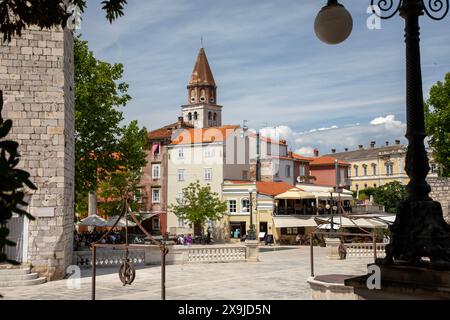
[(327, 160), (166, 131), (206, 135), (302, 158), (273, 188)]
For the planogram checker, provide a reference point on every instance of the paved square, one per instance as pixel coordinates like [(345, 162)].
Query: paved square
[(281, 274)]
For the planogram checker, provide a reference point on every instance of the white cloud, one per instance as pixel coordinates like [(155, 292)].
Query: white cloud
[(380, 129)]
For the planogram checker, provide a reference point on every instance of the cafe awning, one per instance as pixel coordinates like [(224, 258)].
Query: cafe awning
[(92, 221), (294, 222), (295, 194), (345, 222), (121, 224)]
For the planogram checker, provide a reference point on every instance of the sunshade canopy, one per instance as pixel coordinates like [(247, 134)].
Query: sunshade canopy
[(121, 224), (92, 221), (295, 194)]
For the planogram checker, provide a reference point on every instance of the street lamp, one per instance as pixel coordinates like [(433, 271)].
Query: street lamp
[(419, 229), (334, 23), (251, 233)]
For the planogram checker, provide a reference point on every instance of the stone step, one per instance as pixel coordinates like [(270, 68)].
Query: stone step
[(22, 283), (14, 271), (13, 277)]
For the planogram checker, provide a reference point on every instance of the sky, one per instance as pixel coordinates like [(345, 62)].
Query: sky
[(269, 66)]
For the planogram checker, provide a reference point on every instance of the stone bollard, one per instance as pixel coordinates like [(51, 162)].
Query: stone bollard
[(252, 248), (332, 245)]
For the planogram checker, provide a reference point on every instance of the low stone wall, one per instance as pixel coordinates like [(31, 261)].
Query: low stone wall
[(362, 250), (151, 255), (440, 191)]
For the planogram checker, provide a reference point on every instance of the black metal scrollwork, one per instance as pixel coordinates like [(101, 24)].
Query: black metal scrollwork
[(436, 9), (385, 7)]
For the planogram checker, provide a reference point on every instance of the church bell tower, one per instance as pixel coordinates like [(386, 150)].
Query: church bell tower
[(202, 110)]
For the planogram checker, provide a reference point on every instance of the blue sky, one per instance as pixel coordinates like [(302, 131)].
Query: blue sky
[(269, 66)]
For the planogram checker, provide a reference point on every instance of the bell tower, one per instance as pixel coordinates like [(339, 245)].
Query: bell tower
[(202, 110)]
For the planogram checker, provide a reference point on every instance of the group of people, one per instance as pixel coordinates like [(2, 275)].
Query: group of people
[(84, 239), (187, 241)]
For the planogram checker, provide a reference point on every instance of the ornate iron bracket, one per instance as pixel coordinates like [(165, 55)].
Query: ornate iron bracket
[(435, 9)]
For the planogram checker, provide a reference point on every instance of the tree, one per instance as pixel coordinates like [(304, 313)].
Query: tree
[(123, 184), (199, 204), (390, 195), (437, 116), (16, 15), (97, 120), (12, 183)]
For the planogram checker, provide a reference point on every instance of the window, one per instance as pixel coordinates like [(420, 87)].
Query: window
[(342, 177), (302, 170), (156, 195), (288, 171), (357, 187), (181, 174), (365, 170), (202, 99), (207, 174), (389, 169), (190, 116), (156, 224), (374, 169), (215, 116), (244, 175), (356, 171), (276, 169), (209, 115), (180, 198), (181, 222), (290, 231), (195, 115), (180, 153), (156, 171), (209, 152), (365, 186), (245, 205), (374, 185), (212, 100), (232, 206), (434, 168)]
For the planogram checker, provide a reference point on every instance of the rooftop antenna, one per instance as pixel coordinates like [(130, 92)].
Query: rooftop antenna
[(201, 40)]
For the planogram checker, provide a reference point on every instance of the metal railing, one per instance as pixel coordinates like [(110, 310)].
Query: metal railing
[(365, 249), (108, 257)]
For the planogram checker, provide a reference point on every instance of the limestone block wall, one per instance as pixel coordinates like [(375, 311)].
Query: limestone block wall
[(440, 191), (37, 78)]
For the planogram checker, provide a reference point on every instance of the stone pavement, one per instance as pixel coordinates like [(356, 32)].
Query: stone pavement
[(280, 275)]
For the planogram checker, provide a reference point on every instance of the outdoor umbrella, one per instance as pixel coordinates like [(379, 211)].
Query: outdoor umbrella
[(121, 224), (92, 221)]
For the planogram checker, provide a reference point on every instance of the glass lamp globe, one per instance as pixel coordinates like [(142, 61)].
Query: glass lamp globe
[(334, 23)]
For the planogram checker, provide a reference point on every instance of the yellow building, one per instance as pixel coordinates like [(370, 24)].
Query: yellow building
[(237, 194), (377, 166)]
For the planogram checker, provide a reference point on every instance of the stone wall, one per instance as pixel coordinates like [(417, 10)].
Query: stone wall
[(440, 191), (37, 77)]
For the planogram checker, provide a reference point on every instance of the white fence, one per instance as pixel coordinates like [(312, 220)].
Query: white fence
[(208, 254), (152, 255), (108, 257), (365, 250)]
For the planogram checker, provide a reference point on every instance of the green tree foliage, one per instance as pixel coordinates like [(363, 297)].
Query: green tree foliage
[(12, 183), (390, 195), (97, 120), (437, 117), (199, 205), (16, 15), (123, 184)]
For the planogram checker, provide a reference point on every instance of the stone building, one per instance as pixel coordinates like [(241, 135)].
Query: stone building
[(37, 78), (440, 191)]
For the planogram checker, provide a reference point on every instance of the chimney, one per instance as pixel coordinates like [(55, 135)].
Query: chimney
[(361, 147), (397, 142), (387, 143), (180, 122), (333, 150), (316, 152), (346, 149), (372, 144)]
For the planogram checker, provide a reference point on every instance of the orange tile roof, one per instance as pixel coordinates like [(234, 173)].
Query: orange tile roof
[(206, 135), (327, 160), (273, 188), (266, 139), (302, 158), (166, 131)]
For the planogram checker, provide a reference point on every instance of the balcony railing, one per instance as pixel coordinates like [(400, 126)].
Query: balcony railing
[(305, 211)]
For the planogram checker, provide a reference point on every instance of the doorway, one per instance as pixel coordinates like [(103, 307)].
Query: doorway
[(262, 231)]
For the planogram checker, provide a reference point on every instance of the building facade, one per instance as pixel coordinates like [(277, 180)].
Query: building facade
[(154, 179), (376, 166)]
